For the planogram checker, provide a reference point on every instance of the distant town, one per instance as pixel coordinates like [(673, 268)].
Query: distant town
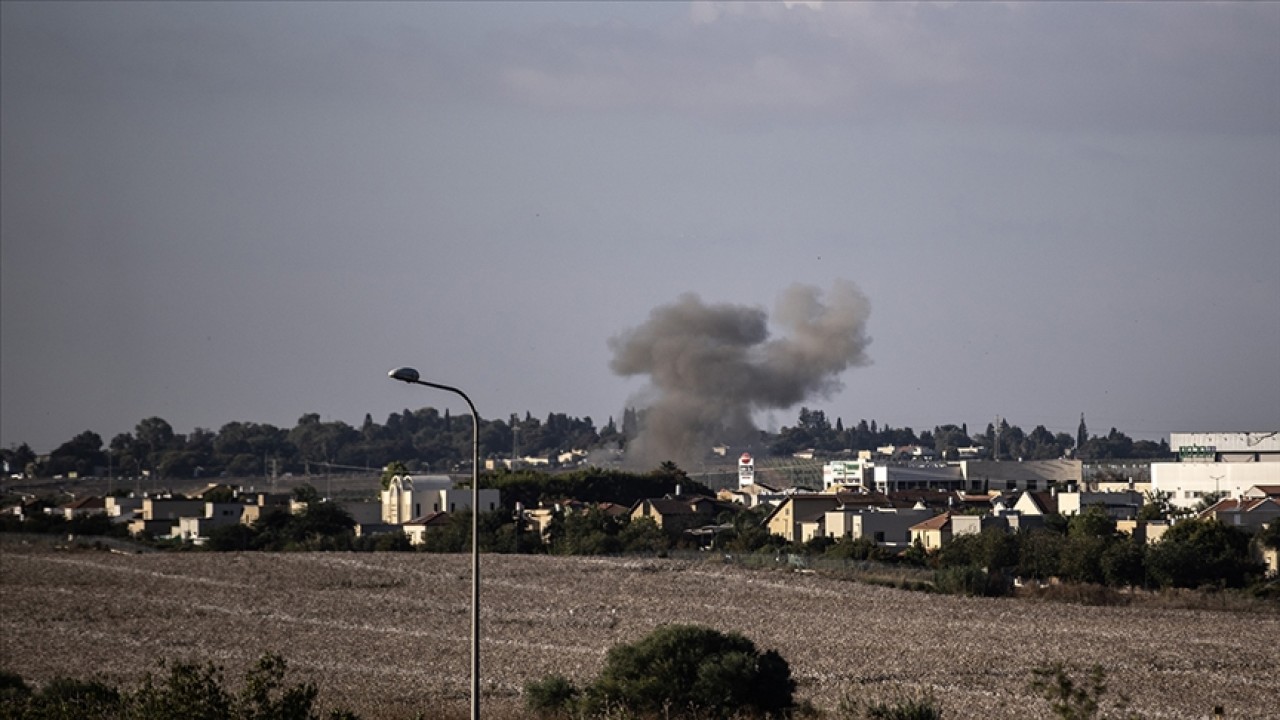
[(1012, 507)]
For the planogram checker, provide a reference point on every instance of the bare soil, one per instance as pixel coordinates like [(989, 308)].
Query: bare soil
[(387, 635)]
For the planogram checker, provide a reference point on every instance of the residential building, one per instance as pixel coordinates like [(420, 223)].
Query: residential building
[(933, 533), (1122, 505), (170, 508), (1037, 503), (884, 526), (1251, 514), (799, 517), (416, 529), (679, 513), (122, 509), (753, 495), (84, 507)]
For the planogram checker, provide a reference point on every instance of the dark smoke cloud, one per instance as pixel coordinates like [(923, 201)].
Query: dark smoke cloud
[(712, 366)]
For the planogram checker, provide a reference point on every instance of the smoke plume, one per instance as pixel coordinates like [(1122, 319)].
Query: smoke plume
[(711, 367)]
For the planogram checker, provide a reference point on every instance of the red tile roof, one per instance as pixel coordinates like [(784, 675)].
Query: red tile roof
[(937, 522)]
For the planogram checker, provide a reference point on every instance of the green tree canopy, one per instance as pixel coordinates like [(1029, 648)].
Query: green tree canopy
[(695, 671)]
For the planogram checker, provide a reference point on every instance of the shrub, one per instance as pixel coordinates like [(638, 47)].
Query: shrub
[(188, 692), (693, 670), (970, 580), (551, 696)]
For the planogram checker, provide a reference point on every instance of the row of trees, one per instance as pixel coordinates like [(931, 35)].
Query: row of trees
[(427, 439), (1006, 442)]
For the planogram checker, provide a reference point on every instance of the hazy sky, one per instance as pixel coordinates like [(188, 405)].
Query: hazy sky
[(251, 211)]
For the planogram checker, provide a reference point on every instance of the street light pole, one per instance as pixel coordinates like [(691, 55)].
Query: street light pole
[(409, 375)]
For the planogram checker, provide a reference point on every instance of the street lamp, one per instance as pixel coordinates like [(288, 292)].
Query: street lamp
[(409, 375)]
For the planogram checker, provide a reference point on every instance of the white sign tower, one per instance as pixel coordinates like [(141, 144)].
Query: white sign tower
[(746, 470)]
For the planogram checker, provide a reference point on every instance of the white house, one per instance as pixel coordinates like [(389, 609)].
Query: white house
[(884, 526)]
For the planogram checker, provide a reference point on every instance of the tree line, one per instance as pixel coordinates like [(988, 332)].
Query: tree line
[(428, 440), (814, 431)]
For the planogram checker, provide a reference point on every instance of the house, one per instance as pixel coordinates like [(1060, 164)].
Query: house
[(975, 524), (169, 508), (541, 517), (937, 500), (884, 526), (416, 529), (678, 513), (216, 514), (799, 517), (933, 533), (29, 507), (1261, 491), (123, 509), (752, 495), (259, 504), (1122, 505), (1247, 514), (84, 507), (1037, 503)]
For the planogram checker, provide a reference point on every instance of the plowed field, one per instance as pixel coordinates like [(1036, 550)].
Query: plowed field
[(386, 635)]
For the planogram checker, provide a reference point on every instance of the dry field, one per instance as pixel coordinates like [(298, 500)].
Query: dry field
[(386, 635)]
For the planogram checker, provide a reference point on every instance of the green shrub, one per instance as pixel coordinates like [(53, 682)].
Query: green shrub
[(550, 696), (688, 670)]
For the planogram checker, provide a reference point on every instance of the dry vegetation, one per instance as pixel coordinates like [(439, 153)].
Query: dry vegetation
[(386, 635)]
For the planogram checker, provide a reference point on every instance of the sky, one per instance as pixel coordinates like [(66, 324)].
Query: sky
[(217, 212)]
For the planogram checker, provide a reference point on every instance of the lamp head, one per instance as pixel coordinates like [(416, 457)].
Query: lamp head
[(404, 374)]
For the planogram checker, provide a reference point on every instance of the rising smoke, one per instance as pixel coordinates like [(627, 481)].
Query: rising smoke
[(711, 367)]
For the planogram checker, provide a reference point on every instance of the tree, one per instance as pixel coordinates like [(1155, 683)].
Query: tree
[(694, 671), (154, 436), (1082, 433), (1202, 552), (1125, 563), (391, 470)]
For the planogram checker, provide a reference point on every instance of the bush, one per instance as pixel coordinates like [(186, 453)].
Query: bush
[(688, 670), (551, 696), (970, 580), (188, 692)]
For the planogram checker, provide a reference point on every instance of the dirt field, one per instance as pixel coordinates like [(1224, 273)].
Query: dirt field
[(386, 635)]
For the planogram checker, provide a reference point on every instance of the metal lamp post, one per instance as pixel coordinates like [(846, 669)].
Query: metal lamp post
[(409, 375)]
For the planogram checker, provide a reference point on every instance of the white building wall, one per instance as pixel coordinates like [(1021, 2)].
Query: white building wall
[(1188, 482), (890, 478)]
